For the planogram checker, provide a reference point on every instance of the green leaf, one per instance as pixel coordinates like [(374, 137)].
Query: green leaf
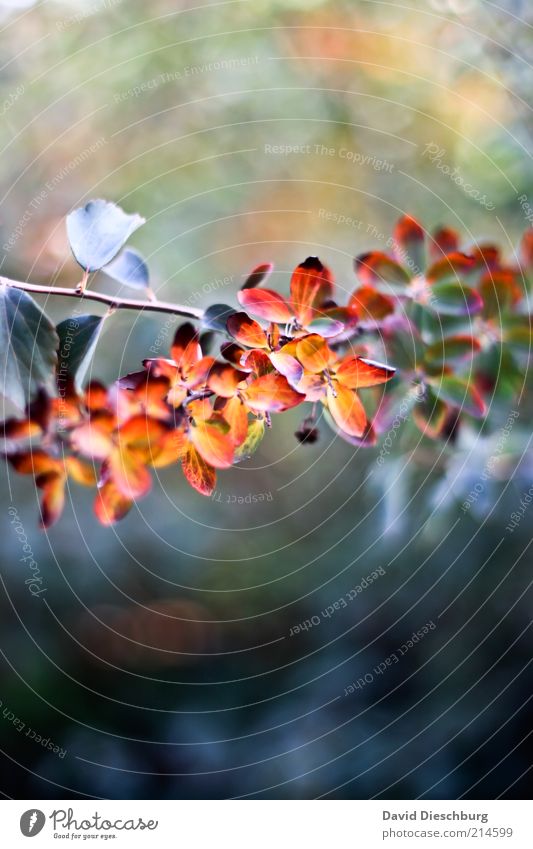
[(430, 414), (130, 269), (517, 334), (454, 299), (405, 349), (459, 393), (78, 337), (260, 273), (434, 327), (256, 431), (216, 317), (452, 348), (28, 344), (326, 327)]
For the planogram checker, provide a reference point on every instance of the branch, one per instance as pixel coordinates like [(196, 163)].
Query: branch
[(110, 300)]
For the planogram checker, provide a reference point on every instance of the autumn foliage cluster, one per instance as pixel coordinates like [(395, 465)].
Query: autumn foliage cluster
[(436, 317)]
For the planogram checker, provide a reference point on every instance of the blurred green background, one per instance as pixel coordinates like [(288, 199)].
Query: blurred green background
[(160, 659)]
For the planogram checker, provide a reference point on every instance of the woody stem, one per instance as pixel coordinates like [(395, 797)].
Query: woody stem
[(110, 300)]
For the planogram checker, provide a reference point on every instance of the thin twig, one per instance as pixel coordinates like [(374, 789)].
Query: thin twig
[(110, 300)]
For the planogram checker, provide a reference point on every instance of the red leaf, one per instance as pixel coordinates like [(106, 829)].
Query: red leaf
[(266, 304), (526, 249), (500, 290), (311, 286), (450, 268), (444, 241), (409, 244), (370, 305)]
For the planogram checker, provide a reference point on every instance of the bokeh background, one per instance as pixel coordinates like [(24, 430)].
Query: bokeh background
[(160, 660)]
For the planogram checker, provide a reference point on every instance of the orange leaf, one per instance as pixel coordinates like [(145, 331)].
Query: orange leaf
[(95, 396), (356, 373), (177, 394), (257, 361), (160, 367), (236, 415), (82, 473), (110, 504), (21, 429), (92, 440), (185, 350), (223, 380), (266, 304), (271, 393), (214, 445), (346, 408), (200, 409), (129, 473), (142, 434), (53, 500), (36, 463), (314, 353), (171, 448), (198, 373), (247, 331), (151, 392), (199, 474)]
